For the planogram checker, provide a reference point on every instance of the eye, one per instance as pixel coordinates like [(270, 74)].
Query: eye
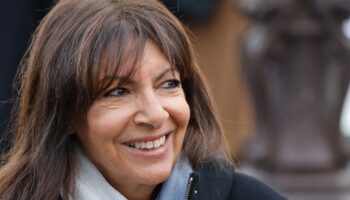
[(117, 92), (174, 83)]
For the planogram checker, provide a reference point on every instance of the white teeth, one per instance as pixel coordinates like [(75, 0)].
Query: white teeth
[(142, 146), (162, 140), (156, 144), (149, 144), (137, 145)]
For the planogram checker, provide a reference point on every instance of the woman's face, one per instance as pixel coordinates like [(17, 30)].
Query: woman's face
[(134, 133)]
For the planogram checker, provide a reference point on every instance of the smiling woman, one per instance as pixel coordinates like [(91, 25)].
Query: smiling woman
[(112, 105), (133, 133)]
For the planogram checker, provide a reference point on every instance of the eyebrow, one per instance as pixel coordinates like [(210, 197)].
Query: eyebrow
[(128, 80), (124, 79), (164, 72)]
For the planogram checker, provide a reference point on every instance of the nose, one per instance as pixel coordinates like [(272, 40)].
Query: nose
[(151, 112)]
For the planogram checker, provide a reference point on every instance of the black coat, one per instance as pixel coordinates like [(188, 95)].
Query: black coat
[(212, 182)]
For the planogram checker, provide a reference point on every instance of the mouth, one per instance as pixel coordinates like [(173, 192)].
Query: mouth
[(148, 145)]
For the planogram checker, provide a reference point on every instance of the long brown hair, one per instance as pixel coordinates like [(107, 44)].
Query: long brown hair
[(58, 84)]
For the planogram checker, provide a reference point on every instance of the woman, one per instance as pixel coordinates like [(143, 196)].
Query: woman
[(112, 106)]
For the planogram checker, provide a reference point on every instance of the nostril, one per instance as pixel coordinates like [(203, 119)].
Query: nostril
[(151, 115)]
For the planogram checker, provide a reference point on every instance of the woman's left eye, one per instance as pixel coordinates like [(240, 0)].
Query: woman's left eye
[(174, 83)]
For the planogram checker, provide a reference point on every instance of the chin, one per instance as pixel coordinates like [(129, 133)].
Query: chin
[(155, 176)]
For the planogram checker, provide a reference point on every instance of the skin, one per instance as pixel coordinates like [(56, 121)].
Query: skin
[(150, 105)]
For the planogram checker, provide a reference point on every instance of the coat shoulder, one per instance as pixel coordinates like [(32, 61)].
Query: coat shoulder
[(248, 187), (226, 183)]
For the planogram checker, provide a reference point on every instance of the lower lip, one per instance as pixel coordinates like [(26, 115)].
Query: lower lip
[(153, 153)]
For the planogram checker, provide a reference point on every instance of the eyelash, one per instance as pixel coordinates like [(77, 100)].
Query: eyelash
[(175, 83), (119, 90), (169, 84)]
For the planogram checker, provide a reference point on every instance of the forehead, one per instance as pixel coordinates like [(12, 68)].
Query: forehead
[(117, 60), (149, 60)]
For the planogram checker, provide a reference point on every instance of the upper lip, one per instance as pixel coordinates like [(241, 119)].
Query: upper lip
[(148, 137)]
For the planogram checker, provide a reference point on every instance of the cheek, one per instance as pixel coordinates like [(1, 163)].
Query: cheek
[(180, 112), (108, 123)]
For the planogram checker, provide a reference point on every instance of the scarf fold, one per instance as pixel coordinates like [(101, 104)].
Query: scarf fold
[(91, 185), (175, 186)]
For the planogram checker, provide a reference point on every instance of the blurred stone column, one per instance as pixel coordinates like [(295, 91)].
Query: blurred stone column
[(296, 61)]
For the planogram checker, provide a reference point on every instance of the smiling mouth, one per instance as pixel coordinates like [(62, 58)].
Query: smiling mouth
[(148, 145)]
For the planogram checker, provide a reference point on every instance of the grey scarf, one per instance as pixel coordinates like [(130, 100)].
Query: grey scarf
[(91, 185)]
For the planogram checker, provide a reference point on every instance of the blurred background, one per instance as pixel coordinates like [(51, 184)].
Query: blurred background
[(279, 71)]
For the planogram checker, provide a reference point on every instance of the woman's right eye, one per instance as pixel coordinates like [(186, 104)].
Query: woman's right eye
[(117, 92)]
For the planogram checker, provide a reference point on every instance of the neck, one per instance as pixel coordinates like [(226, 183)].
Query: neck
[(136, 192)]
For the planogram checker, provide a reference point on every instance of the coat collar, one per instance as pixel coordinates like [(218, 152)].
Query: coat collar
[(91, 185)]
